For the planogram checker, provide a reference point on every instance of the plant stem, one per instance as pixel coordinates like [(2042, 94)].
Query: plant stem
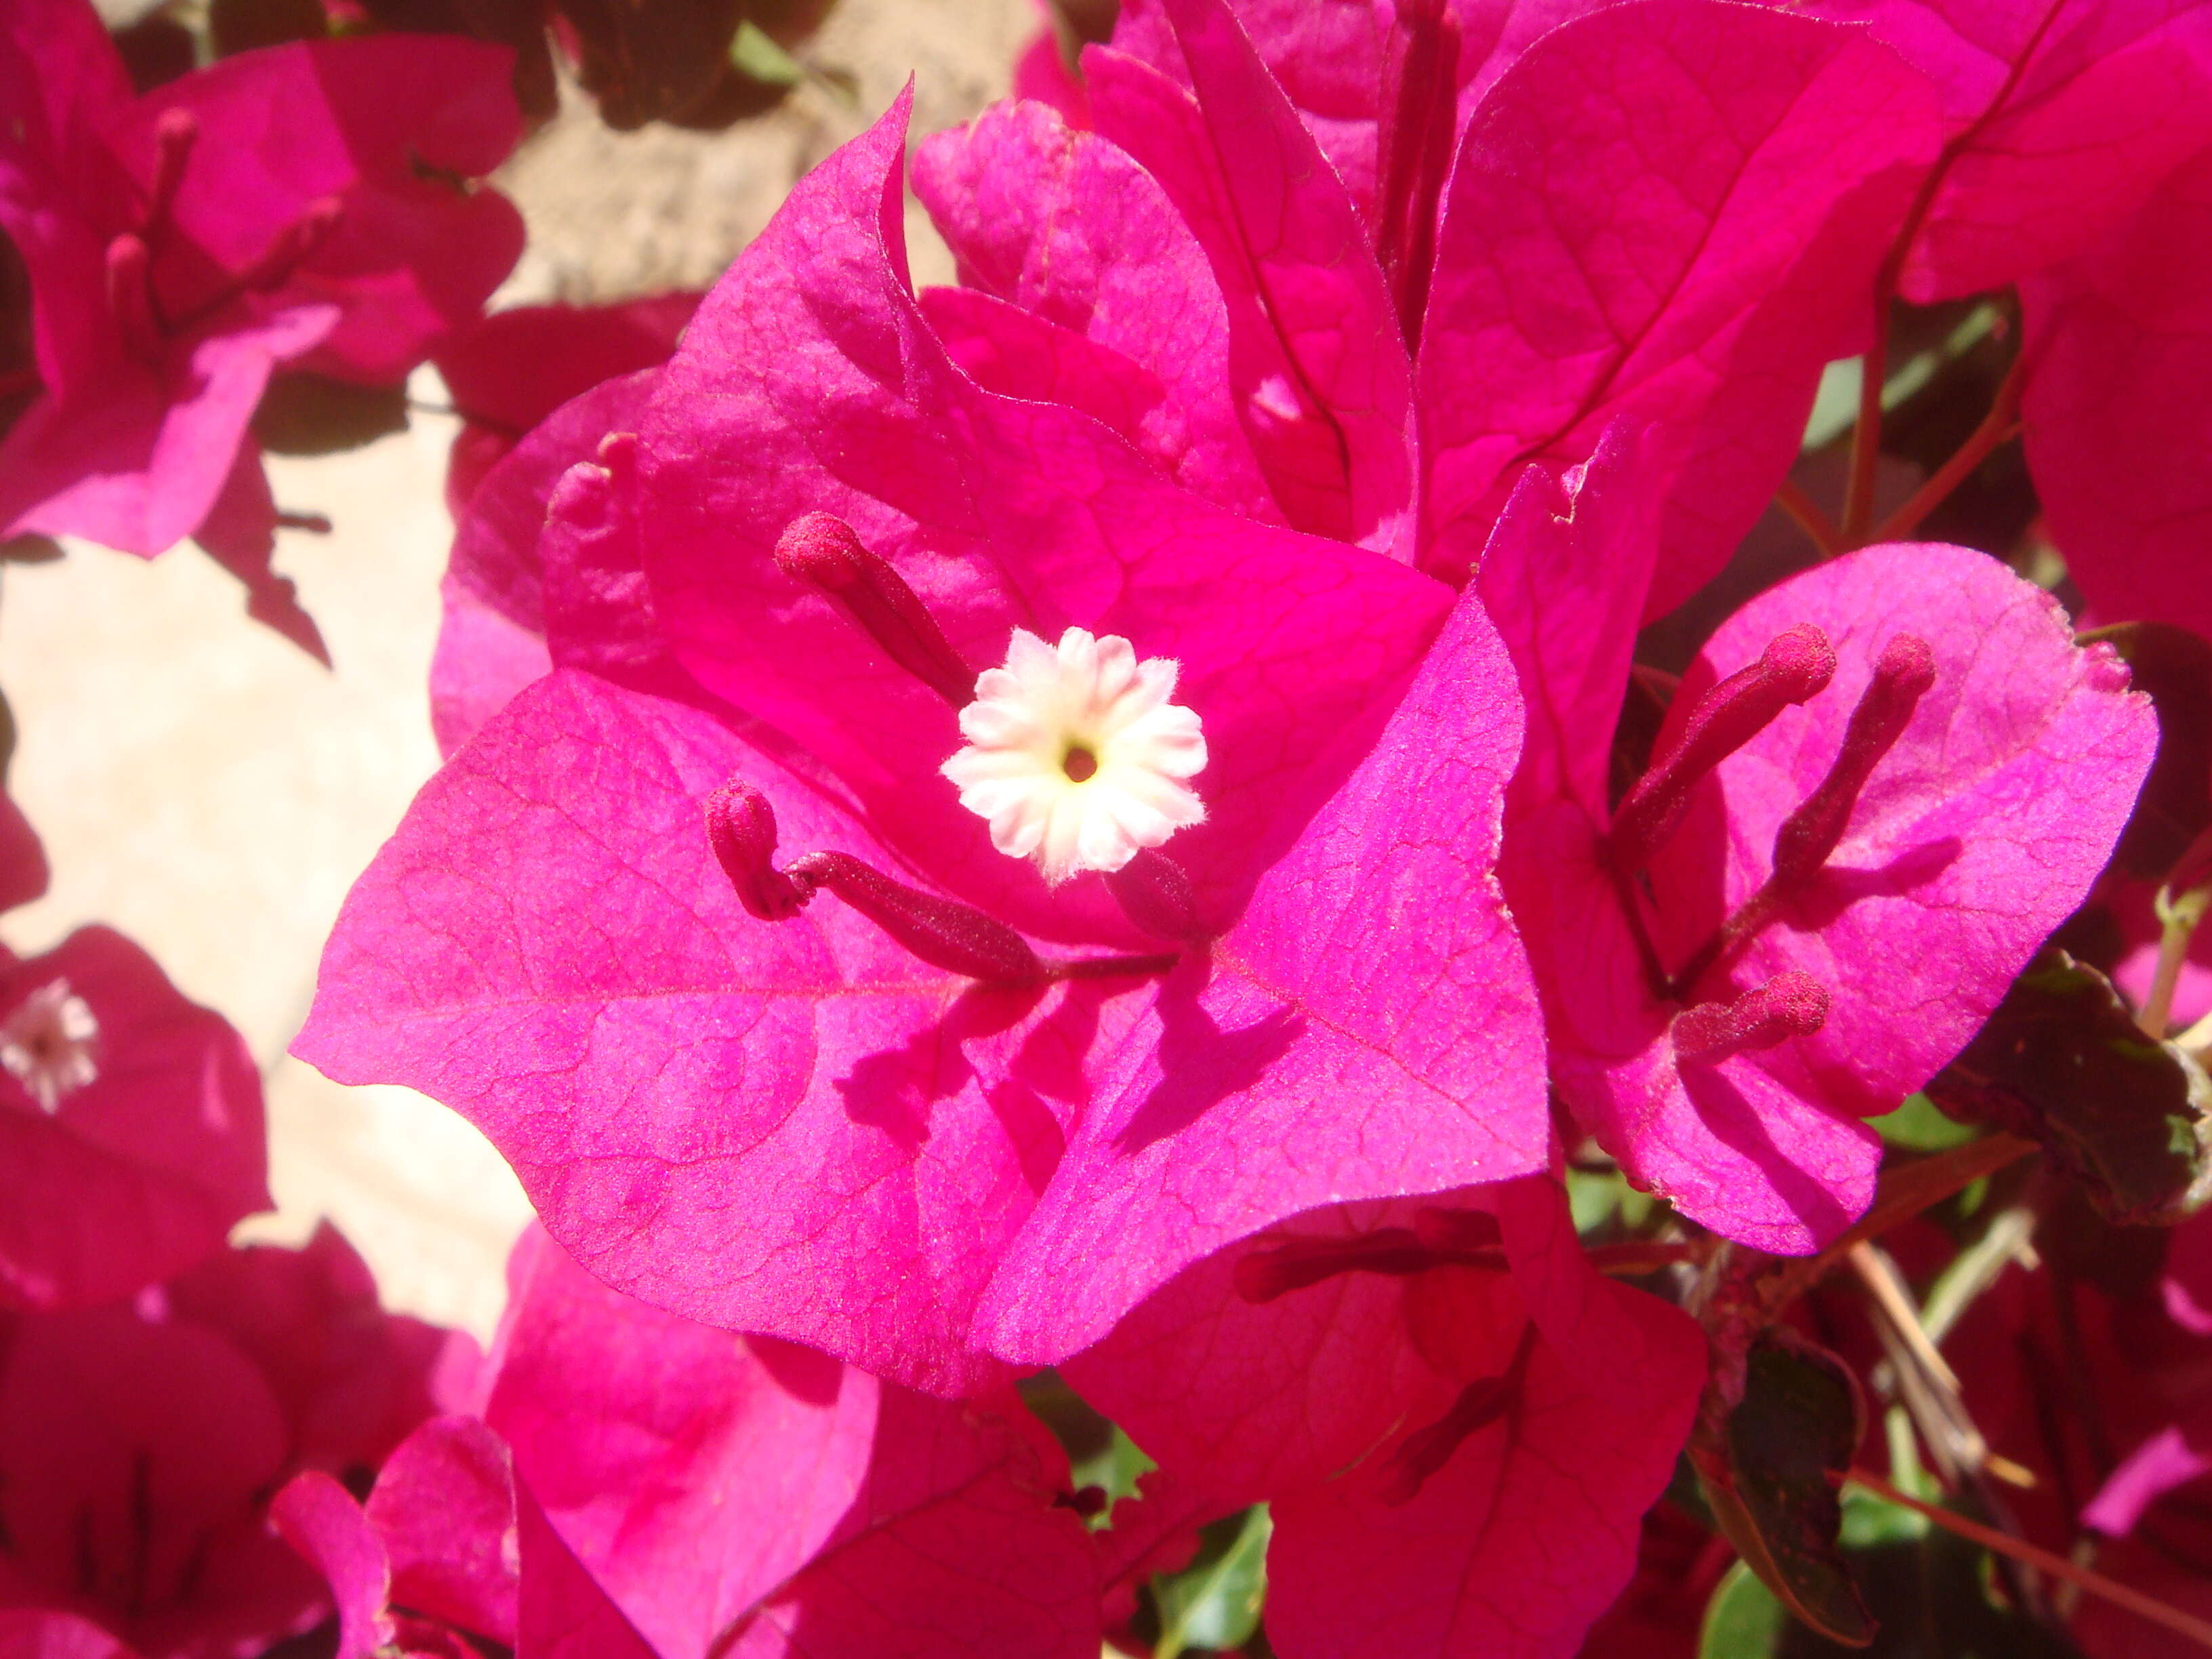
[(2094, 1583), (2001, 423), (1791, 498), (1905, 1194)]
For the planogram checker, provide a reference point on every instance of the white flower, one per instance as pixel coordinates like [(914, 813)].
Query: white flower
[(1076, 755), (46, 1043)]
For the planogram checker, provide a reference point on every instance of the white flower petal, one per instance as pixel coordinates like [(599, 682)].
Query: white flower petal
[(1088, 694)]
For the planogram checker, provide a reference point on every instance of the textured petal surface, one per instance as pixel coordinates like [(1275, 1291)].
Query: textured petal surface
[(1526, 1529), (443, 1511), (374, 123), (140, 1171), (1066, 227), (508, 372), (797, 1128), (741, 1496), (2117, 424), (1979, 833), (1368, 1028), (1324, 372), (492, 641), (318, 1517), (2062, 116), (809, 381), (1671, 210)]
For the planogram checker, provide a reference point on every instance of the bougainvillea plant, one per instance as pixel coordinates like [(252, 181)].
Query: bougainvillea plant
[(1431, 888)]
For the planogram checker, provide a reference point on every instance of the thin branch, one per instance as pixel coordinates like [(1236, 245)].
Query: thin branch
[(1905, 1192), (2092, 1583), (2001, 424), (1874, 369), (1792, 499)]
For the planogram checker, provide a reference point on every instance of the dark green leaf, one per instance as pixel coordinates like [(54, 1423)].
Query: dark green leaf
[(309, 415), (656, 63), (2062, 1062), (238, 26), (1771, 1476)]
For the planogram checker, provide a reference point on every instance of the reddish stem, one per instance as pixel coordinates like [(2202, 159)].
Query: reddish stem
[(1998, 426), (2094, 1583), (1865, 436)]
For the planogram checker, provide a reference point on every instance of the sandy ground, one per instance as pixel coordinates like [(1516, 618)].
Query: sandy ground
[(206, 788)]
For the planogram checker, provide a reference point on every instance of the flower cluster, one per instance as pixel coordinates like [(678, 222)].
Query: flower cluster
[(1240, 842)]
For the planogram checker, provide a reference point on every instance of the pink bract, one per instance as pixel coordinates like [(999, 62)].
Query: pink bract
[(272, 208), (508, 372), (1670, 213), (1979, 829), (130, 1128), (492, 642), (800, 1128), (140, 1442), (2115, 432), (644, 1486), (1457, 1454), (2059, 117)]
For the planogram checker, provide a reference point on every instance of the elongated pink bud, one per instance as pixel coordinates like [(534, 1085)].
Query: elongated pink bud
[(820, 550), (1277, 1271), (947, 934), (1902, 675), (1480, 1403), (174, 135), (1790, 1004), (1154, 894), (741, 828), (1797, 664), (294, 246), (130, 297)]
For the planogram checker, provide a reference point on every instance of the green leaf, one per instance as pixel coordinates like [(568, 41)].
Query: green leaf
[(1771, 1477), (2062, 1062), (1836, 405), (1919, 1125), (1214, 1603), (1743, 1621), (1114, 1469), (754, 52)]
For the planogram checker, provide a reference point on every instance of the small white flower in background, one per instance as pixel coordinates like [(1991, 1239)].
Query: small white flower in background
[(46, 1044), (1076, 755)]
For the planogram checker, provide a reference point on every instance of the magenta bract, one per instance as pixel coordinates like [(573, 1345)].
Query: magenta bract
[(641, 1485), (2114, 431), (140, 1442), (130, 1129), (279, 207), (800, 1129), (1955, 857), (1458, 1421)]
